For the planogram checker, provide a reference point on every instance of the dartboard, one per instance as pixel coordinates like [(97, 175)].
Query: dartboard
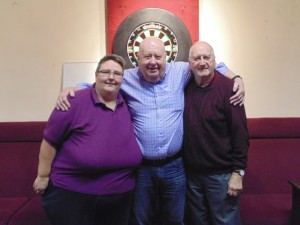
[(152, 29), (152, 22)]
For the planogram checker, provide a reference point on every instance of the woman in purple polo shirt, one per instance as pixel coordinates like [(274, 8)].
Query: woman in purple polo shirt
[(89, 154)]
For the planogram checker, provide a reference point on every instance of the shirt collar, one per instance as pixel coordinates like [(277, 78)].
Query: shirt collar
[(96, 100)]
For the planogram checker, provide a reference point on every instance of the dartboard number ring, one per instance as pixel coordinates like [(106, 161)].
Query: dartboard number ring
[(152, 29)]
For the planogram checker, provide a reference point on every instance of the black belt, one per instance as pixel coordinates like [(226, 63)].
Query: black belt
[(161, 162)]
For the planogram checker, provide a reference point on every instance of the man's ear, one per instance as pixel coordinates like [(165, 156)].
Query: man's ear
[(190, 62)]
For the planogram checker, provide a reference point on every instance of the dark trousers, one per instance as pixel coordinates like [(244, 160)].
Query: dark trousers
[(64, 207)]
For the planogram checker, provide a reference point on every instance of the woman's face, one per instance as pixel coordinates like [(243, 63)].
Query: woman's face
[(109, 78)]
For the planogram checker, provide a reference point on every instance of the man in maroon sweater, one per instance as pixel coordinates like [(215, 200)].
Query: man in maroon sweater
[(215, 143)]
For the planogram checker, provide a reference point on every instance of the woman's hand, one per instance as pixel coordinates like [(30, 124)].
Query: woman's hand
[(40, 184)]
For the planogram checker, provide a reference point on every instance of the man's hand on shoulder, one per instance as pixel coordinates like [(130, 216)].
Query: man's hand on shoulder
[(239, 97), (62, 102)]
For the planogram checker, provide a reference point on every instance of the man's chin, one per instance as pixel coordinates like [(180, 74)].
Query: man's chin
[(202, 74), (152, 77), (153, 72)]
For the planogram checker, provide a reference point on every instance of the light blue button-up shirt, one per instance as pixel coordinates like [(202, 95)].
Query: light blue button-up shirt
[(157, 108)]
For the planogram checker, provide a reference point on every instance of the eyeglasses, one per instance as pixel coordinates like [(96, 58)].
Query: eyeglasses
[(106, 73)]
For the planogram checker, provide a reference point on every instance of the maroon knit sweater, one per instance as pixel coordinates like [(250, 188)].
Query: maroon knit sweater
[(215, 132)]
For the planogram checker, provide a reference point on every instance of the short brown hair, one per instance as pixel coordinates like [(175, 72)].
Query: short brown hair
[(116, 58)]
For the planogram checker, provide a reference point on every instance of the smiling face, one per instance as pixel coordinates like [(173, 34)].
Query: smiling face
[(202, 60), (152, 59), (109, 77)]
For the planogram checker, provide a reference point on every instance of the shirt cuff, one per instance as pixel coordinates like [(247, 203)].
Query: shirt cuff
[(83, 85), (222, 68)]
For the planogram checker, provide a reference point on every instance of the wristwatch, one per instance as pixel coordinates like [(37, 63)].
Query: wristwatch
[(240, 172)]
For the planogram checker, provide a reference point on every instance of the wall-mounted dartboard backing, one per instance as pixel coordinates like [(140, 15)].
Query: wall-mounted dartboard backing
[(152, 22)]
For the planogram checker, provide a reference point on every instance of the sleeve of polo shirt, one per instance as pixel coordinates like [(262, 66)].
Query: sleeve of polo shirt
[(59, 126)]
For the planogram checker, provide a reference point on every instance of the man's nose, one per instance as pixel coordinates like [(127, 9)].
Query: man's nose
[(201, 61), (152, 60)]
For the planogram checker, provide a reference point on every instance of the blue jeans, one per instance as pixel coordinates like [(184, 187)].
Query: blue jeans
[(208, 203), (159, 196)]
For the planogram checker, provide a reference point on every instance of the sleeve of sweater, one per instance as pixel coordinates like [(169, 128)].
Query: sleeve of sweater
[(239, 136)]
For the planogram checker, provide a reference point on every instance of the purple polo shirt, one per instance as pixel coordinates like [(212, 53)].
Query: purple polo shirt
[(97, 152)]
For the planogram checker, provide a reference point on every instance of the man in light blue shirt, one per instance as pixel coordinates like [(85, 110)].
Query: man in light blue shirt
[(154, 92), (156, 109)]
